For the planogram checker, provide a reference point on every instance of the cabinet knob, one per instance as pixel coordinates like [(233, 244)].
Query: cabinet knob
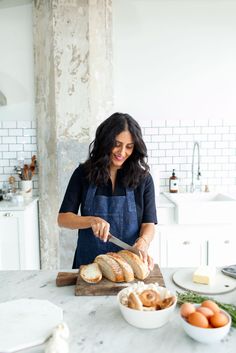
[(186, 242), (8, 214)]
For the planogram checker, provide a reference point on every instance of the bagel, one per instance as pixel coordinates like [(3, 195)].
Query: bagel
[(149, 297), (134, 302)]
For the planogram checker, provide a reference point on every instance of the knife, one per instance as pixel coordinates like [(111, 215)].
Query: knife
[(122, 244)]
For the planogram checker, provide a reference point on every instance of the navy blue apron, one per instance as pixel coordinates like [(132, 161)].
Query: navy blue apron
[(119, 211)]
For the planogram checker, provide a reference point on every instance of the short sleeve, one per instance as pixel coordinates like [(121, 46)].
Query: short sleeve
[(73, 194), (149, 204)]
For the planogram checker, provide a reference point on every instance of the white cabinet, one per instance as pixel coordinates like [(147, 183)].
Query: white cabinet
[(222, 249), (194, 245), (191, 245), (19, 238)]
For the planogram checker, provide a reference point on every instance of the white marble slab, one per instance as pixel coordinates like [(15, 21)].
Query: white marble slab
[(96, 324), (27, 322)]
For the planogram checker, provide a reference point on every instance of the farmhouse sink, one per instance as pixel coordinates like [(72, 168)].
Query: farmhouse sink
[(203, 208)]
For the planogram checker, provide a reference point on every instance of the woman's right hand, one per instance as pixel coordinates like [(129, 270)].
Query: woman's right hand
[(100, 228)]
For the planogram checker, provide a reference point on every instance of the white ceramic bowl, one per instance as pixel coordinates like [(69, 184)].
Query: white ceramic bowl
[(206, 335), (145, 319)]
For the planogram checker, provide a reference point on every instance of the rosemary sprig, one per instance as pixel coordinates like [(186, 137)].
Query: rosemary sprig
[(192, 297)]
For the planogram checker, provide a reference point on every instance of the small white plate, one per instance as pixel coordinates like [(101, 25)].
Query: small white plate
[(222, 283)]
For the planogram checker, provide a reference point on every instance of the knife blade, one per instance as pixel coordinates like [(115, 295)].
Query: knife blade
[(122, 244)]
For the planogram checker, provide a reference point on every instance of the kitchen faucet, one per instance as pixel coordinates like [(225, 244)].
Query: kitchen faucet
[(196, 184)]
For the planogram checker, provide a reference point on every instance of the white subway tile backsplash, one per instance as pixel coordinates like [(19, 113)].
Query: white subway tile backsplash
[(8, 124), (166, 160), (172, 153), (194, 130), (165, 145), (13, 137), (23, 139), (29, 132), (223, 130), (4, 162), (221, 144), (171, 138), (157, 153), (15, 147), (228, 137), (24, 124), (171, 123), (30, 147), (9, 155), (186, 123), (3, 132), (179, 145), (151, 131), (158, 123), (165, 131), (24, 155), (9, 140), (208, 130), (3, 147), (186, 138), (15, 132), (169, 143), (215, 137)]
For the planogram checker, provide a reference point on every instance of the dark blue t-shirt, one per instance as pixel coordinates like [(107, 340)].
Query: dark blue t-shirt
[(144, 195)]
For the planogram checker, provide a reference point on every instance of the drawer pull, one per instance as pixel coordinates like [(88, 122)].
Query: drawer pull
[(8, 214), (186, 242)]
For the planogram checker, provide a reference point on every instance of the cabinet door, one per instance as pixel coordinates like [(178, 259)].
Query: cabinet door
[(185, 252), (9, 241), (184, 246), (222, 252)]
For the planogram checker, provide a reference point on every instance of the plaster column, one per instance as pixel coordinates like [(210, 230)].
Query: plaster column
[(73, 75)]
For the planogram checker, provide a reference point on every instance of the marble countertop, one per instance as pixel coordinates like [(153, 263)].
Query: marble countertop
[(16, 206), (96, 324)]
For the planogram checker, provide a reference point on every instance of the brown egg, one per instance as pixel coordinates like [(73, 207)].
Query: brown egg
[(197, 319), (186, 309), (205, 311), (218, 320), (211, 305)]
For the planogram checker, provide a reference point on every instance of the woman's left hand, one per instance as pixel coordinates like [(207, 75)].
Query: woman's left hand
[(142, 246)]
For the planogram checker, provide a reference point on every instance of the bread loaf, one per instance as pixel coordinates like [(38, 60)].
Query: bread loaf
[(110, 268), (127, 269), (139, 267), (90, 273)]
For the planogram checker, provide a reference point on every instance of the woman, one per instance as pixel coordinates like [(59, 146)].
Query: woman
[(114, 191)]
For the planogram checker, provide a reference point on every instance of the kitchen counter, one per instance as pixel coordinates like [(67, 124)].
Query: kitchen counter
[(96, 324), (16, 206)]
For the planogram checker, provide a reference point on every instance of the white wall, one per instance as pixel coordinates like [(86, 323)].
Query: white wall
[(16, 62), (175, 59)]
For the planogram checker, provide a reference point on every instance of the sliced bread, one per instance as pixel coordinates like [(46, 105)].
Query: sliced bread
[(110, 268), (139, 267), (127, 269), (90, 273)]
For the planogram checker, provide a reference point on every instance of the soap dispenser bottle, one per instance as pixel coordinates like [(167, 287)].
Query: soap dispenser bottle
[(173, 183)]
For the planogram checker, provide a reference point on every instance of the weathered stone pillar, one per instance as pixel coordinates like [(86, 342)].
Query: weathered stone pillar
[(73, 76)]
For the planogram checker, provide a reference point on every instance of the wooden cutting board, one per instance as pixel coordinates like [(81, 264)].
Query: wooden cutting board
[(106, 287)]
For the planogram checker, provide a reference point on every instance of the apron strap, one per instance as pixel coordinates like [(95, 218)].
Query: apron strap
[(89, 197), (130, 200)]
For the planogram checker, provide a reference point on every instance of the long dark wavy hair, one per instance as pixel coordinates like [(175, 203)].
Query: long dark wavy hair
[(97, 166)]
